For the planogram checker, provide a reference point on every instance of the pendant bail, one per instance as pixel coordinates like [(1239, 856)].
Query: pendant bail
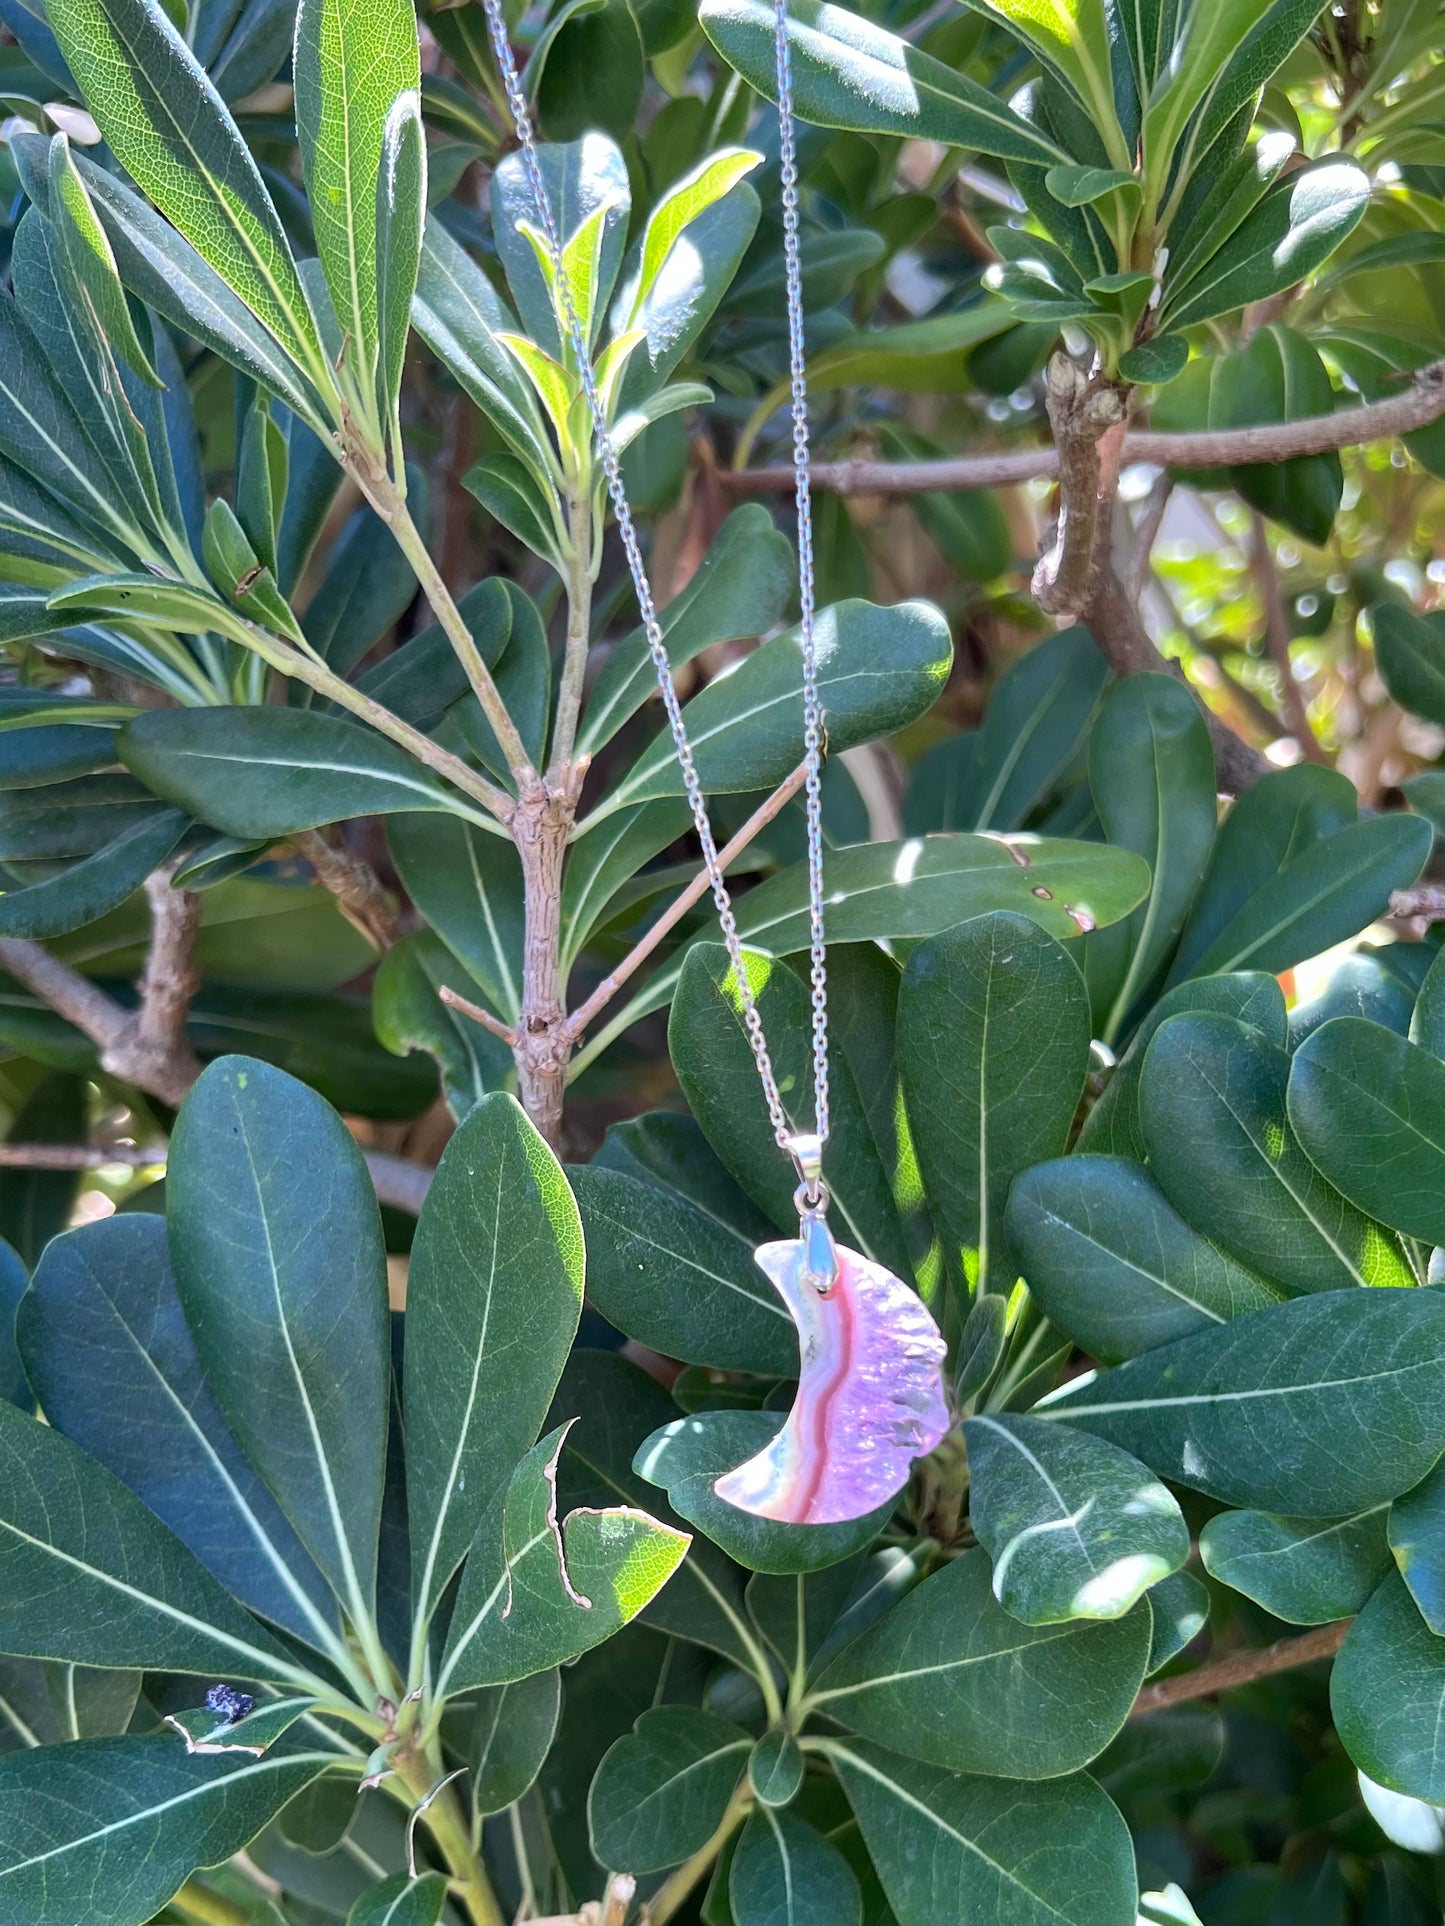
[(820, 1255)]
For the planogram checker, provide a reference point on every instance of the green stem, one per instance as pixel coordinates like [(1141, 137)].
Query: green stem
[(676, 1887), (199, 1902), (393, 510), (580, 534), (443, 1818)]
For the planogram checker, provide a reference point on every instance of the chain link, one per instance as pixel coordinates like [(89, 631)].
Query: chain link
[(813, 720)]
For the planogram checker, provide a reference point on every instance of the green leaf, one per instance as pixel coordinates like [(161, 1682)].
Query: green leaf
[(741, 590), (14, 1281), (401, 200), (401, 1900), (509, 491), (1267, 831), (1279, 376), (993, 1044), (43, 1703), (849, 73), (949, 1674), (494, 1296), (1369, 1108), (170, 130), (1151, 771), (408, 1015), (1222, 1149), (261, 773), (1307, 1571), (36, 1204), (93, 887), (987, 1852), (107, 1830), (1109, 1261), (351, 64), (287, 1302), (1075, 1527), (687, 1456), (877, 670), (107, 1348), (1323, 1405), (660, 1791), (511, 1736), (368, 586), (775, 1769), (1410, 650), (1293, 230), (536, 1593), (714, 1064), (1387, 1696), (423, 678), (208, 1732), (1180, 1607), (581, 178), (785, 1873), (670, 1275), (91, 259), (1156, 361), (1416, 1543), (678, 208), (468, 886), (1075, 186), (1333, 889), (93, 1577)]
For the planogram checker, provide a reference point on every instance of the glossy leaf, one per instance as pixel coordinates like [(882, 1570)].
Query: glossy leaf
[(511, 1737), (14, 1281), (169, 129), (672, 1277), (108, 1350), (1418, 1546), (401, 1900), (951, 1676), (1411, 656), (287, 1302), (1110, 1261), (93, 1577), (660, 1792), (1179, 1606), (984, 1851), (849, 73), (1319, 1405), (1307, 1571), (536, 1593), (1369, 1108), (409, 1015), (993, 1044), (264, 772), (104, 1832), (775, 1769), (1223, 1151), (468, 885), (99, 883), (786, 1873), (1075, 1528), (1387, 1695), (494, 1294)]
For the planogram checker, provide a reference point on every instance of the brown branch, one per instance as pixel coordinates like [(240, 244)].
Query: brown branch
[(353, 882), (1242, 1668), (154, 1050), (609, 986), (1416, 407), (1277, 640), (1087, 415), (456, 1001), (1427, 903)]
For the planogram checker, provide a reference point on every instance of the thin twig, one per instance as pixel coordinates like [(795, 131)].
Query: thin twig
[(1416, 407), (1146, 531), (1242, 1668), (456, 1001), (609, 986), (80, 1156), (354, 883), (1277, 640)]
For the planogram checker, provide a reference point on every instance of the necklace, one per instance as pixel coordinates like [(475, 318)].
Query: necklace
[(870, 1388)]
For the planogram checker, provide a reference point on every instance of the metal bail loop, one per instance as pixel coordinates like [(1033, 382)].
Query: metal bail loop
[(820, 1254)]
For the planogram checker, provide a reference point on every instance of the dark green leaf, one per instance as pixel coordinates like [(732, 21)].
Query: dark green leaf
[(1387, 1695), (849, 73), (988, 1852), (993, 1044), (670, 1275), (1075, 1528), (493, 1300), (468, 885), (1369, 1108), (14, 1281), (1180, 1608), (423, 678), (1418, 1545), (366, 588), (775, 1769), (1324, 1405), (35, 1205), (276, 1243), (103, 1833), (1410, 650), (98, 884), (409, 1015), (785, 1873), (1223, 1151), (401, 202), (401, 1900), (1307, 1571), (114, 1365), (948, 1674), (1109, 1261), (511, 1737), (55, 752), (660, 1792)]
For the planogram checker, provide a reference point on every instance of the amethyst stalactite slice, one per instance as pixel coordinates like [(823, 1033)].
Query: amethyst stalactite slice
[(870, 1395)]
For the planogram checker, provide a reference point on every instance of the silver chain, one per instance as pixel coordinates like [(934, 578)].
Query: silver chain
[(813, 719)]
